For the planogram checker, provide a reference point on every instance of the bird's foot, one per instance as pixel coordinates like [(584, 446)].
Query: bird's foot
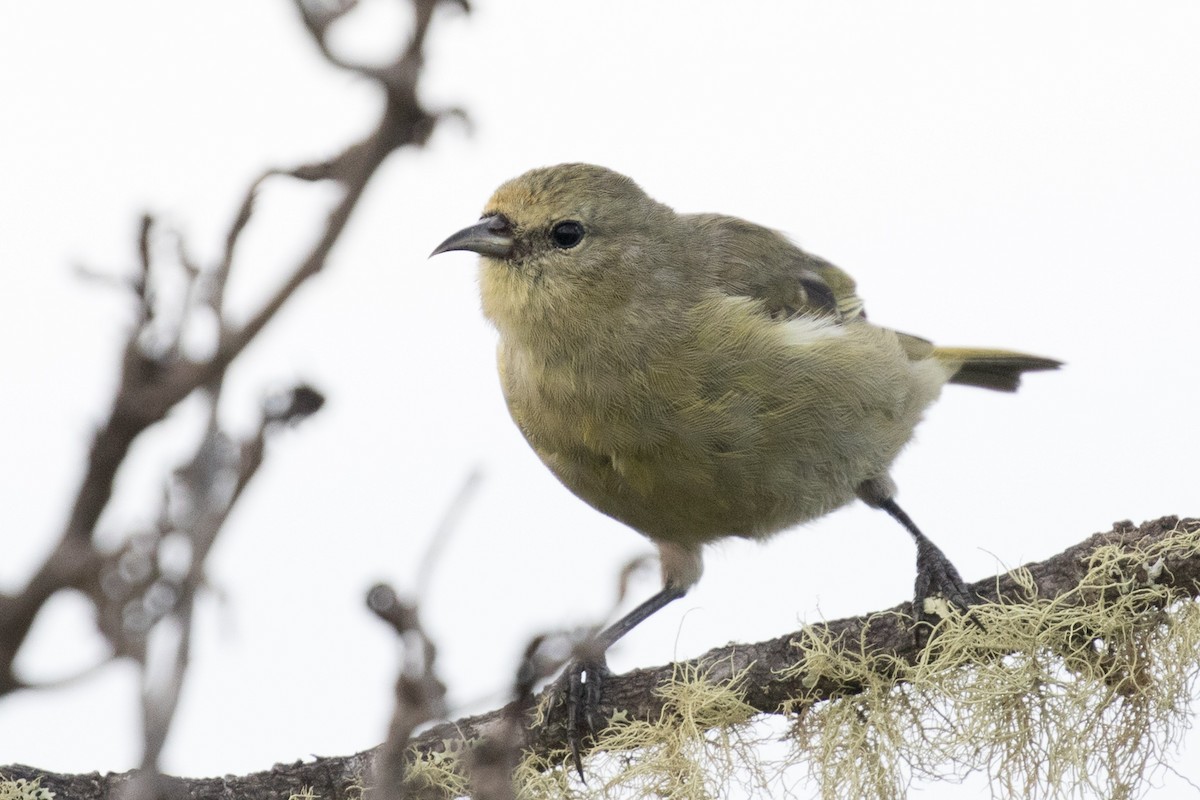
[(938, 588), (582, 684)]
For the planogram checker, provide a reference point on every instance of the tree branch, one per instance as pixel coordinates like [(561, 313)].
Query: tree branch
[(766, 673), (155, 379)]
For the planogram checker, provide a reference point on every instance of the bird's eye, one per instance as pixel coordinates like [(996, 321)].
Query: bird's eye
[(567, 234)]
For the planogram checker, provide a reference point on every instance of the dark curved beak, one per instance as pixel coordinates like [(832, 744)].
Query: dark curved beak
[(491, 236)]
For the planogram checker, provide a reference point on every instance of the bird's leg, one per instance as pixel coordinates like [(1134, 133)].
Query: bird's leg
[(583, 679), (935, 574)]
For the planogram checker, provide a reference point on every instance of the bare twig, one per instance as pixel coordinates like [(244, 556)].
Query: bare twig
[(129, 588), (420, 695), (492, 761), (445, 529)]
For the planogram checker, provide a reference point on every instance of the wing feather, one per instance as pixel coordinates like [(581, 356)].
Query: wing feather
[(759, 263)]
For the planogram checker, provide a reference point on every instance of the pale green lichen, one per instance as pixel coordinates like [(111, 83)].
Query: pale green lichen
[(694, 747), (438, 774), (1082, 695), (21, 789)]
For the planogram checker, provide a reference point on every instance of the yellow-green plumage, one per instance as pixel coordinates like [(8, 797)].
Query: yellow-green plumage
[(699, 376)]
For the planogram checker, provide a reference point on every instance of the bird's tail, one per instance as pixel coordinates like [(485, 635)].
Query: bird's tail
[(991, 369)]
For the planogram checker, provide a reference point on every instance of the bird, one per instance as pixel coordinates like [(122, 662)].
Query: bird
[(699, 377)]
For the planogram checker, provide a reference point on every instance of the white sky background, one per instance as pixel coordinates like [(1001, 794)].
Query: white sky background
[(1023, 175)]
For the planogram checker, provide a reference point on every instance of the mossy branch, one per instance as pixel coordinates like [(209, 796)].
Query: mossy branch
[(1078, 678), (1089, 656)]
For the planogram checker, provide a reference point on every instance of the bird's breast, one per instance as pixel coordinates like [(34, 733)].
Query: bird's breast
[(737, 425)]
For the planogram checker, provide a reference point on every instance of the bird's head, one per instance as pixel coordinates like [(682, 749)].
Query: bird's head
[(567, 239)]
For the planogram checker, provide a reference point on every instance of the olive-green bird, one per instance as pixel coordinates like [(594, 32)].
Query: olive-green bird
[(697, 376)]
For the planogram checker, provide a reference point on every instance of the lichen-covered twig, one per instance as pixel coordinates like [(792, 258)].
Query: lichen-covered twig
[(1108, 630)]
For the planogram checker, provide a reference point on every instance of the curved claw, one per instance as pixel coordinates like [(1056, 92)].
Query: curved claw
[(584, 686), (937, 577)]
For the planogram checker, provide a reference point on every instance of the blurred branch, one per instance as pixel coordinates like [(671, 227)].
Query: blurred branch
[(446, 528), (420, 695), (765, 672), (492, 760), (131, 590)]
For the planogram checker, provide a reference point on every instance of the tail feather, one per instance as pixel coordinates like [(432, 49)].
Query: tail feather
[(991, 369)]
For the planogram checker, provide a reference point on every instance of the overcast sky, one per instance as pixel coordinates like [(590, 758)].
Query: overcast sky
[(1023, 175)]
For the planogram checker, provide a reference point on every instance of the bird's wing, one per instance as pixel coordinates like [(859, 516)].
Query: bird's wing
[(757, 262)]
